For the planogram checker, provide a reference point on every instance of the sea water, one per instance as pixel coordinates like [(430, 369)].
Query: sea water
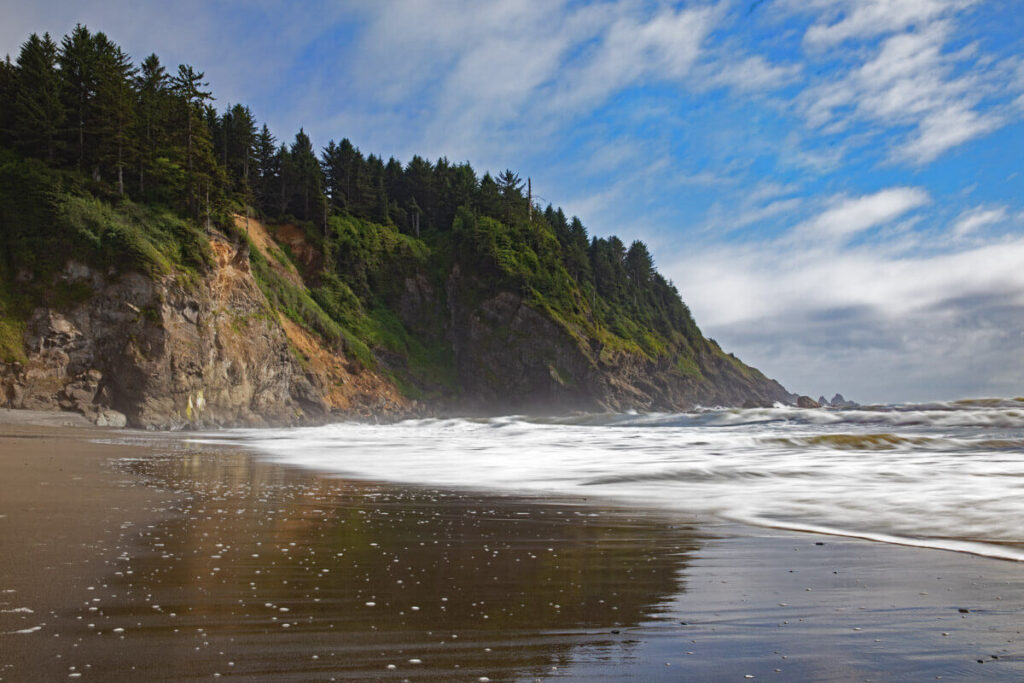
[(942, 475)]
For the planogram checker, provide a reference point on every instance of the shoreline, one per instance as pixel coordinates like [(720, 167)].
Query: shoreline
[(186, 561)]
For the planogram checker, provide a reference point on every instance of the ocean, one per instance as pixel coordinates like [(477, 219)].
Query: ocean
[(944, 475)]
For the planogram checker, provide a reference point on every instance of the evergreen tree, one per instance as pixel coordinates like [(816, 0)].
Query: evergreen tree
[(285, 179), (8, 94), (239, 146), (307, 178), (456, 186), (79, 67), (187, 87), (330, 167), (376, 195), (419, 175), (115, 108), (489, 201), (152, 111), (267, 167), (577, 261), (397, 192), (510, 186), (639, 264), (39, 113)]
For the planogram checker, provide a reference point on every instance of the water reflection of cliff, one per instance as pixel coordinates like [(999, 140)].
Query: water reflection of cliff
[(274, 572)]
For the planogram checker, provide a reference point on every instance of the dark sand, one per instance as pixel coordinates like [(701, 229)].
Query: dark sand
[(164, 561)]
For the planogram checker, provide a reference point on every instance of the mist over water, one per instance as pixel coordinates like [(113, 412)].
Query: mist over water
[(942, 475)]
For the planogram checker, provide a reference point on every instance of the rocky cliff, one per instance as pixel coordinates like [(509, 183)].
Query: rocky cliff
[(173, 352), (512, 357), (199, 349)]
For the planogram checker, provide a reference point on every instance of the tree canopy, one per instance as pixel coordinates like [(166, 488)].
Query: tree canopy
[(155, 137)]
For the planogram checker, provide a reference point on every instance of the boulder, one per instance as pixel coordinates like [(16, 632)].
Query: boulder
[(807, 402), (111, 418)]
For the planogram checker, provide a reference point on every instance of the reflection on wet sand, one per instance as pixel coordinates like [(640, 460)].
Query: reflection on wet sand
[(269, 571)]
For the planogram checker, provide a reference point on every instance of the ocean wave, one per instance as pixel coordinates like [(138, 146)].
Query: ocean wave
[(940, 474)]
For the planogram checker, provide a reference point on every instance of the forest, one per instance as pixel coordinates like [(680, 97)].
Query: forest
[(141, 157)]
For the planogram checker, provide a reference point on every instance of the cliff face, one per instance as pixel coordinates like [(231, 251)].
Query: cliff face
[(192, 349), (173, 352), (512, 357)]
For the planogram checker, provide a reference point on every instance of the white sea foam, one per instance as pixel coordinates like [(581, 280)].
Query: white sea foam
[(945, 475)]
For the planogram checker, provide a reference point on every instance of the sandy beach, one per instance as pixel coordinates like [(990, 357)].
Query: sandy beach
[(130, 556)]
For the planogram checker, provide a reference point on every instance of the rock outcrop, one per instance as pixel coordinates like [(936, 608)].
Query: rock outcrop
[(172, 353), (838, 401)]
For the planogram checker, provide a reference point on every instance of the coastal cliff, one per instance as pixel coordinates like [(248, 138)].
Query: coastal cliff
[(166, 265), (202, 348)]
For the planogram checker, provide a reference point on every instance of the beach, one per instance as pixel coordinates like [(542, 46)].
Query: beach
[(133, 556)]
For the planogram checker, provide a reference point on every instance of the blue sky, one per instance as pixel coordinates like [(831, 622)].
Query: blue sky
[(834, 185)]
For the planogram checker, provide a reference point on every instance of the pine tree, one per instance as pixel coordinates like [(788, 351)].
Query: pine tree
[(78, 59), (419, 175), (488, 201), (397, 192), (115, 108), (639, 264), (577, 262), (307, 177), (511, 188), (285, 179), (329, 167), (267, 167), (39, 114), (239, 146), (152, 111), (187, 87), (8, 93)]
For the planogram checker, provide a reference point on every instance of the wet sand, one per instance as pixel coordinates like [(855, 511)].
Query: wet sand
[(161, 560)]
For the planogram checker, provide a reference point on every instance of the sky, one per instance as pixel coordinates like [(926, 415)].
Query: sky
[(834, 185)]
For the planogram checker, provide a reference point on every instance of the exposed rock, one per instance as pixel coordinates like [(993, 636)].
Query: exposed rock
[(110, 418), (807, 402), (824, 402), (839, 402), (169, 353)]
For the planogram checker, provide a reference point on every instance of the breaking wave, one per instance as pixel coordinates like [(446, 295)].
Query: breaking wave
[(943, 475)]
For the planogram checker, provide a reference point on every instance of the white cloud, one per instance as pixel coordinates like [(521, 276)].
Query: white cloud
[(972, 220), (634, 49), (875, 322), (749, 74), (945, 129), (869, 18), (848, 216), (477, 79), (930, 99)]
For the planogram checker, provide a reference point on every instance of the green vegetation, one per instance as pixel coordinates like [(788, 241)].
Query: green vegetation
[(49, 216), (130, 167), (12, 327)]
